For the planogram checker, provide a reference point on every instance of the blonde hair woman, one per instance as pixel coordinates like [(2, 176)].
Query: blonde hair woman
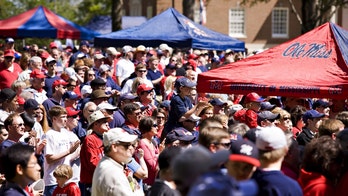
[(169, 87)]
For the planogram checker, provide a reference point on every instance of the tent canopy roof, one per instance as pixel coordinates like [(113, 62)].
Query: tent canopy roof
[(41, 22), (172, 28), (312, 65)]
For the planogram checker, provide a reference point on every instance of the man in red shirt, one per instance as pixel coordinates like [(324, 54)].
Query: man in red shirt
[(9, 70), (92, 149)]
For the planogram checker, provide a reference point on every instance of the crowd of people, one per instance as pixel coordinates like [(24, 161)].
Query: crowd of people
[(129, 121)]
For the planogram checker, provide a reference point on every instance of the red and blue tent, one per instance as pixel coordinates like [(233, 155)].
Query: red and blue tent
[(41, 22), (313, 65)]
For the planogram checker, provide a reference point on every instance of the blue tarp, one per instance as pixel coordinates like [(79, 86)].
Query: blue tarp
[(172, 28)]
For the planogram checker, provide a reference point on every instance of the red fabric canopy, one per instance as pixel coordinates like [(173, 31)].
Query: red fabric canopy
[(312, 65), (41, 22)]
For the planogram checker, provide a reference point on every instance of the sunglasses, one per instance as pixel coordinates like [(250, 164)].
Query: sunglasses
[(8, 58), (226, 145), (155, 125), (19, 125), (75, 116), (142, 71), (127, 145)]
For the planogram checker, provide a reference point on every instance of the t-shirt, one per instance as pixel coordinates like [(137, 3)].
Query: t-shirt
[(7, 77), (68, 189)]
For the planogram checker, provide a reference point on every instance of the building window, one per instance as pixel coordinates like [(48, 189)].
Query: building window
[(135, 8), (237, 22), (280, 20)]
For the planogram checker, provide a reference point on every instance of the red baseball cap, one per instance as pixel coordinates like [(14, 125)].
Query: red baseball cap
[(143, 87), (70, 111), (53, 45), (253, 97), (9, 53), (37, 74), (59, 82), (44, 55)]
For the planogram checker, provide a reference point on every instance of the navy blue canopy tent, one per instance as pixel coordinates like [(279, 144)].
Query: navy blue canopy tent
[(172, 28)]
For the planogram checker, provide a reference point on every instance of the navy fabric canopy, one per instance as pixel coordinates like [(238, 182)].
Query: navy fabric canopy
[(172, 28)]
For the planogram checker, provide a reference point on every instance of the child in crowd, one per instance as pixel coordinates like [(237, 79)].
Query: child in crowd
[(63, 173)]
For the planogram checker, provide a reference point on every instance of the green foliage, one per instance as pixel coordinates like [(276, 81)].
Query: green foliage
[(88, 9)]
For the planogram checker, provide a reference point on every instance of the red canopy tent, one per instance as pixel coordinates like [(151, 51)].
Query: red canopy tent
[(312, 65)]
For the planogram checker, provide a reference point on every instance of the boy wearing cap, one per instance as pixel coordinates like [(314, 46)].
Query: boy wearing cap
[(60, 146), (9, 103), (252, 103), (273, 146), (181, 104), (312, 119), (9, 70), (109, 177), (51, 77)]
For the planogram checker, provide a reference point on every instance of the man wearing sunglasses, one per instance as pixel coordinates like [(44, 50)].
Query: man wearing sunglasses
[(9, 70), (109, 177)]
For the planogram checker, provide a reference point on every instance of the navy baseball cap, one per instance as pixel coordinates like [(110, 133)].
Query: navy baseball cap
[(320, 103), (217, 101), (70, 95), (245, 151), (311, 114), (183, 81), (267, 115), (267, 105), (127, 96), (180, 134), (31, 104)]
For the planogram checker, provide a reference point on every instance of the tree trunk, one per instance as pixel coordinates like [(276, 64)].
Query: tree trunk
[(116, 15), (188, 8)]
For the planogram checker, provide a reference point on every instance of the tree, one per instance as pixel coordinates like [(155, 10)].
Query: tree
[(188, 8), (314, 13), (116, 14)]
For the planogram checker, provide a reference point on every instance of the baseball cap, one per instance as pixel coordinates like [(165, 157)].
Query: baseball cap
[(180, 134), (112, 51), (183, 81), (244, 151), (71, 111), (9, 40), (253, 97), (31, 104), (267, 105), (267, 115), (127, 49), (84, 43), (99, 56), (86, 89), (127, 96), (50, 60), (99, 93), (37, 74), (104, 68), (117, 135), (143, 87), (311, 114), (59, 82), (106, 106), (9, 53), (44, 55), (53, 45), (320, 103), (270, 138), (170, 66), (69, 95), (97, 82), (234, 108), (192, 118), (7, 94), (217, 101)]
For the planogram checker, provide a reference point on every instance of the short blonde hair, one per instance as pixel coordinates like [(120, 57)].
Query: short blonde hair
[(272, 156), (63, 171)]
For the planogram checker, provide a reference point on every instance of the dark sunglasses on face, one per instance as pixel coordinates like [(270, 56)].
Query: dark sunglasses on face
[(154, 125), (127, 145), (226, 145)]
